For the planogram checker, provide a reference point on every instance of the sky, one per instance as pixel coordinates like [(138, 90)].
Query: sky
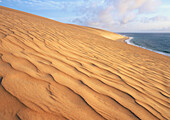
[(112, 15)]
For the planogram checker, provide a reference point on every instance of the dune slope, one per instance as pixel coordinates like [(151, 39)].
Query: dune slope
[(56, 71)]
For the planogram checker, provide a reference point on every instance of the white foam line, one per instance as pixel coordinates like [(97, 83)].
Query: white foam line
[(128, 41)]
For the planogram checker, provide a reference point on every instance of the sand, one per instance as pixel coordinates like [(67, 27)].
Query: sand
[(55, 71)]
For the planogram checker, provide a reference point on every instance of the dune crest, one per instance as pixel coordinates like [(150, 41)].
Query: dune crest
[(55, 71)]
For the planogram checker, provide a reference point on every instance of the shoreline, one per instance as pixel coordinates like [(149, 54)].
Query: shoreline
[(123, 39), (128, 41)]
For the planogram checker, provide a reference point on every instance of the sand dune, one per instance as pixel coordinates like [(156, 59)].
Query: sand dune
[(56, 71)]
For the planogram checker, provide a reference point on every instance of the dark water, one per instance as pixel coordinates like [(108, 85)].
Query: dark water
[(157, 42)]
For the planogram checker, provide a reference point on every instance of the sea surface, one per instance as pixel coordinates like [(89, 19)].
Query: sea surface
[(157, 42)]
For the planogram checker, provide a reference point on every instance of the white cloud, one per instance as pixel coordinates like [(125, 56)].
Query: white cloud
[(129, 17), (165, 6), (49, 4), (150, 6), (158, 18), (114, 14)]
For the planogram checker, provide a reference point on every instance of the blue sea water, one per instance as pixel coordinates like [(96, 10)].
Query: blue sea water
[(157, 42)]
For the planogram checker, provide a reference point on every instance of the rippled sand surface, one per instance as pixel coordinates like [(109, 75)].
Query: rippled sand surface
[(56, 71)]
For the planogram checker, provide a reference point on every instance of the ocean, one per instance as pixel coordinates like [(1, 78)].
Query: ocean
[(157, 42)]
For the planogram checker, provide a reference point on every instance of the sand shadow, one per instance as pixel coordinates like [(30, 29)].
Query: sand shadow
[(1, 79)]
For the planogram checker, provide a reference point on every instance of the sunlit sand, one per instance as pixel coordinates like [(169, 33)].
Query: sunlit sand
[(55, 71)]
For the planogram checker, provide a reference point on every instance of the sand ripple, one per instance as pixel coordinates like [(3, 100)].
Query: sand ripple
[(55, 71)]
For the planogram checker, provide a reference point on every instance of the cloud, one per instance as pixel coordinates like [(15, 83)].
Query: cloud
[(129, 17), (49, 4), (158, 18), (165, 6), (150, 6), (112, 13), (155, 26)]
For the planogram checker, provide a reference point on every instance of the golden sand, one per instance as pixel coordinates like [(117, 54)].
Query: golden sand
[(55, 71)]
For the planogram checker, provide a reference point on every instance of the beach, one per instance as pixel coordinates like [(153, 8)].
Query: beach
[(56, 71)]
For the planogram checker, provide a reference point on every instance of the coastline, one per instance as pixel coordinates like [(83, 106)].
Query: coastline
[(128, 41), (123, 39)]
